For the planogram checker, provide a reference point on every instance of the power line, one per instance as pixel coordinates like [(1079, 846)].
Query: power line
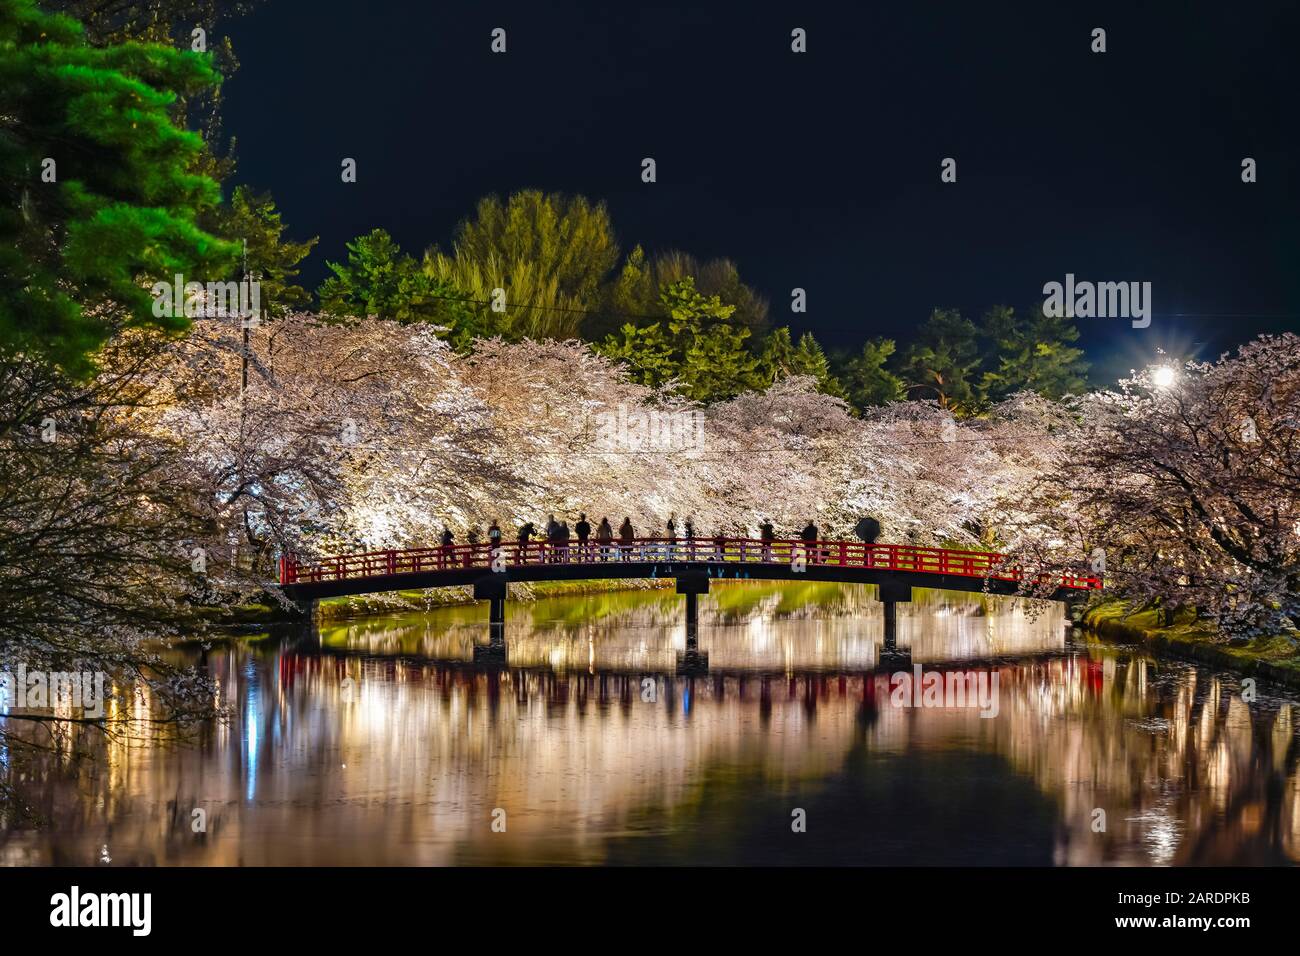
[(743, 449)]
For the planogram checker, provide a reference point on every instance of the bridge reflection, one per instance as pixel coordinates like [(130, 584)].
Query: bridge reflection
[(752, 628)]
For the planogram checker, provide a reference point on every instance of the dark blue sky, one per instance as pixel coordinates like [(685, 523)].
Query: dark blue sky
[(818, 170)]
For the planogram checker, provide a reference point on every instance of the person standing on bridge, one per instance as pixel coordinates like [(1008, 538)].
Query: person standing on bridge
[(552, 537), (626, 535), (867, 530), (472, 539), (562, 535), (447, 539), (690, 539), (719, 546), (494, 536), (767, 534), (583, 530), (525, 533), (604, 536), (671, 546), (809, 537)]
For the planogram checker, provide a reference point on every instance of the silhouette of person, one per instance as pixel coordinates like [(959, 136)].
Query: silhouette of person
[(552, 537), (626, 535), (809, 536), (583, 530), (604, 535), (767, 534), (525, 533)]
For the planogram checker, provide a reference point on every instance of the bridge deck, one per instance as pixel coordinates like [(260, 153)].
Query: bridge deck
[(724, 558)]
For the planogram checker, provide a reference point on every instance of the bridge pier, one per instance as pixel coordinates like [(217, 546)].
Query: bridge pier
[(304, 609), (692, 586), (493, 589), (891, 594)]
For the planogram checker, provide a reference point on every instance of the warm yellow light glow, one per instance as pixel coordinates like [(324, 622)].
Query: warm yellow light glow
[(1164, 376)]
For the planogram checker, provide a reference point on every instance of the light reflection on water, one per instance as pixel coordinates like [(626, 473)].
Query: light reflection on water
[(406, 763)]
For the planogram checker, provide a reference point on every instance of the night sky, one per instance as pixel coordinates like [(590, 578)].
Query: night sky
[(818, 170)]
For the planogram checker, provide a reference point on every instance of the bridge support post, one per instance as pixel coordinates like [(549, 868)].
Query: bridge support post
[(304, 609), (692, 621), (891, 594), (692, 586), (493, 589)]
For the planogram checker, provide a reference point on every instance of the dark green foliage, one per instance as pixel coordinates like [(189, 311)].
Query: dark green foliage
[(942, 362), (866, 380), (695, 344), (1031, 351), (379, 279), (781, 358), (78, 255), (273, 260)]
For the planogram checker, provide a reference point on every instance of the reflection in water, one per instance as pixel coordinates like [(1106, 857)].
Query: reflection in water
[(382, 742)]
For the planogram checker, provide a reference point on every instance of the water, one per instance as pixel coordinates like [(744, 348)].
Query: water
[(382, 742)]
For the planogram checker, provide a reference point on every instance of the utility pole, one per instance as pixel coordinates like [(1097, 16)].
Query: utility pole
[(243, 320)]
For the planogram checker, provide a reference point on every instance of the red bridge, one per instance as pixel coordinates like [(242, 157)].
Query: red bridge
[(892, 566)]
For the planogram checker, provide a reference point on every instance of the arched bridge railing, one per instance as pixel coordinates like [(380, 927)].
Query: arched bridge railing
[(840, 554)]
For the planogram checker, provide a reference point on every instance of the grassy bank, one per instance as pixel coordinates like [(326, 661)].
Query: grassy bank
[(1274, 658)]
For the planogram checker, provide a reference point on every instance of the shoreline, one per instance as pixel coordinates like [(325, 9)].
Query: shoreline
[(1262, 657)]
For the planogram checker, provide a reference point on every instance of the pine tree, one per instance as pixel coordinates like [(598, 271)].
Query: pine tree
[(866, 379), (1032, 351), (943, 362), (780, 358), (694, 344), (100, 201), (380, 279), (252, 218), (777, 358)]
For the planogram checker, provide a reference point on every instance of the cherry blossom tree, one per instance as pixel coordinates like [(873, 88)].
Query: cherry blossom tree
[(1187, 480)]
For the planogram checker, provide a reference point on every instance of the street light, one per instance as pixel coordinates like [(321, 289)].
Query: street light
[(1164, 376)]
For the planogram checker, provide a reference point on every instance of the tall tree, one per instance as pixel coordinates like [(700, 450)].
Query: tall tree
[(547, 251), (99, 522), (99, 200), (720, 277), (943, 361), (252, 220), (1032, 351), (781, 357), (379, 279), (866, 380), (695, 344), (1189, 487)]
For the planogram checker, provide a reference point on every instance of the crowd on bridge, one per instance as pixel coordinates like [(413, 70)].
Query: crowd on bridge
[(561, 544)]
